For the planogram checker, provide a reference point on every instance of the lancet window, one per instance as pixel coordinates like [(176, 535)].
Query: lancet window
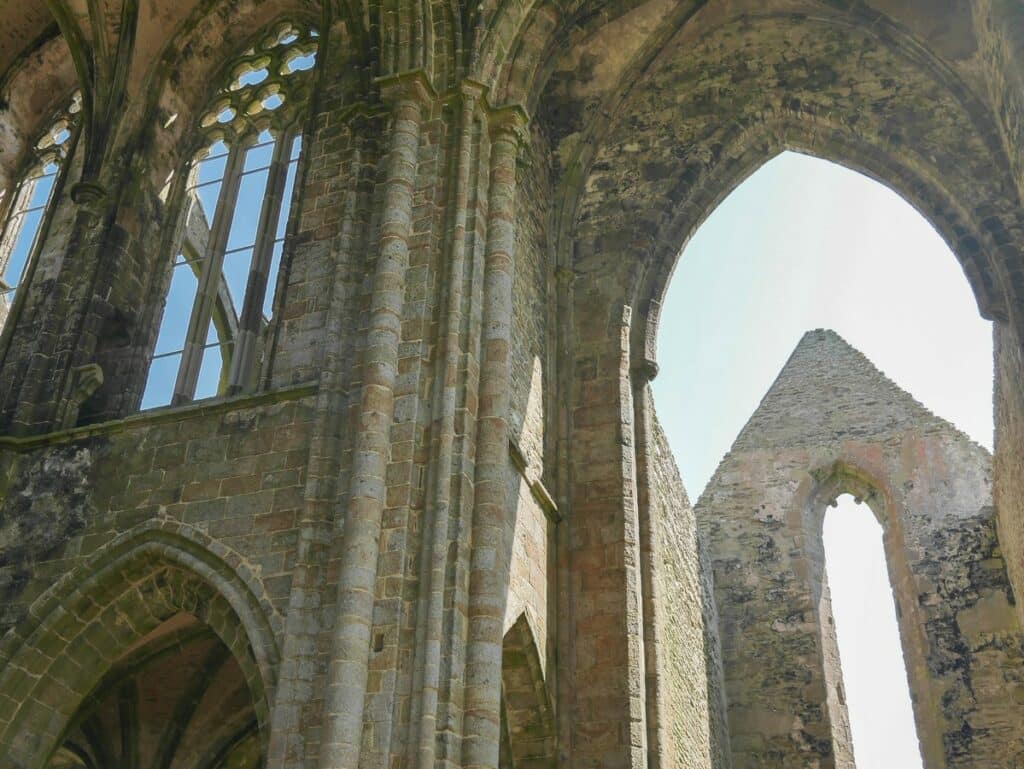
[(239, 189), (30, 201)]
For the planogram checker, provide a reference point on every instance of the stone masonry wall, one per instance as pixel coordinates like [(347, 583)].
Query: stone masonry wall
[(232, 472), (532, 305), (529, 580), (444, 433), (692, 711)]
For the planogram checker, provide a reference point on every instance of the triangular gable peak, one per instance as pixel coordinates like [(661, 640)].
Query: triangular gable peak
[(828, 391)]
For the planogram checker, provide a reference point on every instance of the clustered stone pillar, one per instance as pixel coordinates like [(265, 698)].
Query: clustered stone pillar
[(347, 677), (489, 558), (447, 401)]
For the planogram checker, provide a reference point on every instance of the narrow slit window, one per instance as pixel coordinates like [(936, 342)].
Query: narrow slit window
[(873, 670), (30, 203), (216, 321)]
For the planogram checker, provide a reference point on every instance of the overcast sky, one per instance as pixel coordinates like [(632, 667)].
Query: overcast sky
[(805, 244)]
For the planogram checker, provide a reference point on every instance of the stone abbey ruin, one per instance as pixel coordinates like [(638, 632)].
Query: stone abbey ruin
[(326, 434)]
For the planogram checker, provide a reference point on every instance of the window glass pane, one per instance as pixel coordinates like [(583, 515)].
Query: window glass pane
[(6, 297), (286, 200), (211, 169), (207, 197), (20, 231), (275, 265), (236, 275), (247, 212), (299, 63), (253, 77), (180, 298), (259, 155), (296, 148), (163, 372), (212, 337), (28, 226), (41, 190), (216, 359)]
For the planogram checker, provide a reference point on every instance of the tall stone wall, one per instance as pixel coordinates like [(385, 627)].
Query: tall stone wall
[(692, 709), (65, 501)]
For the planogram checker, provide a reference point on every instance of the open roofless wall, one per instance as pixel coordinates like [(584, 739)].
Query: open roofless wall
[(439, 526)]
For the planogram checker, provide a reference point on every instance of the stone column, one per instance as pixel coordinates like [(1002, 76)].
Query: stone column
[(299, 678), (409, 95), (606, 633), (490, 553), (643, 374), (443, 510)]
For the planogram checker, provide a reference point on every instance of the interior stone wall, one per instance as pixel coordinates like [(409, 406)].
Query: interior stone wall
[(452, 421)]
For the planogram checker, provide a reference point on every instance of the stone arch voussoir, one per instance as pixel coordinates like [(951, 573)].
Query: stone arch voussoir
[(661, 164)]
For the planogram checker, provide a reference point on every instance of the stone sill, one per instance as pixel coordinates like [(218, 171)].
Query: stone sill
[(537, 488), (158, 416)]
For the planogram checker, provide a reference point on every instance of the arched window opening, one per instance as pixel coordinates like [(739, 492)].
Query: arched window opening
[(30, 202), (806, 244), (872, 666), (178, 697), (238, 197)]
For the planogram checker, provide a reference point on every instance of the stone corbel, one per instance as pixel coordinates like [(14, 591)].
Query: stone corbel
[(91, 196), (412, 85), (645, 365), (85, 380)]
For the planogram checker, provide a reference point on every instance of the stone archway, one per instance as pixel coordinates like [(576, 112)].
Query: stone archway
[(731, 87), (129, 598)]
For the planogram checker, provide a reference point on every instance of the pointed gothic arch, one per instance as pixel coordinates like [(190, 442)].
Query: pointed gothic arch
[(528, 735), (96, 613)]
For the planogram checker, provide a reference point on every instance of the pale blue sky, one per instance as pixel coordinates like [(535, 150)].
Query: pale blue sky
[(806, 244)]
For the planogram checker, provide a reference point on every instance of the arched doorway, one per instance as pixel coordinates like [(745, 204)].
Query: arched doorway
[(154, 652)]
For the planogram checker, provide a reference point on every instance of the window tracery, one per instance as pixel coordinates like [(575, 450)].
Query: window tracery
[(30, 202), (238, 197)]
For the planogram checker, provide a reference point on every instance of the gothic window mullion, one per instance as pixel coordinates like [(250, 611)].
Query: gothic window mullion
[(250, 319), (209, 282), (26, 213), (12, 229), (238, 194)]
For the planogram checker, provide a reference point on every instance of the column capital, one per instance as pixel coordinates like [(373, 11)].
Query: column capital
[(644, 372), (90, 195), (508, 123), (411, 85)]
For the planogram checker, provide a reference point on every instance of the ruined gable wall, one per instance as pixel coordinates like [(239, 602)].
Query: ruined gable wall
[(831, 426)]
